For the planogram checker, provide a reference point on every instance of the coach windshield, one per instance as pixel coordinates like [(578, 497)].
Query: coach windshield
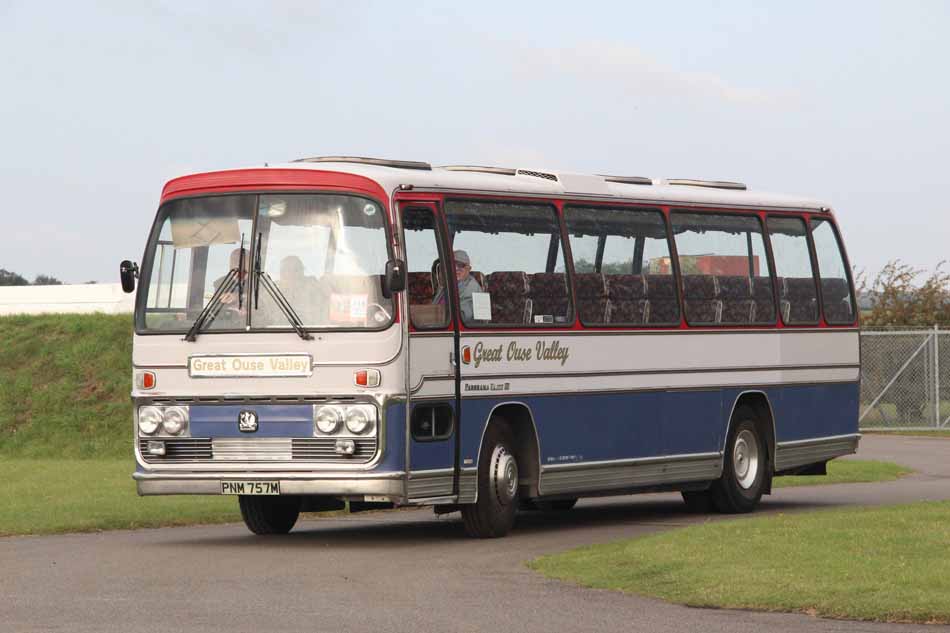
[(322, 256)]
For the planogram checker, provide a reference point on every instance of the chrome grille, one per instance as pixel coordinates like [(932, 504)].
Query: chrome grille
[(322, 449), (185, 449), (262, 449), (207, 450), (249, 400)]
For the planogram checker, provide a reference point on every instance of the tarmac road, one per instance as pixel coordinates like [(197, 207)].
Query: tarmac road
[(398, 571)]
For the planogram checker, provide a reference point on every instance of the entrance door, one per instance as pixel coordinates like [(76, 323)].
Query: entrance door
[(433, 457)]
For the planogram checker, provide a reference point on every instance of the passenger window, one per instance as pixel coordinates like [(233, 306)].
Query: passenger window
[(835, 289), (509, 264), (425, 286), (725, 270), (622, 265), (798, 298)]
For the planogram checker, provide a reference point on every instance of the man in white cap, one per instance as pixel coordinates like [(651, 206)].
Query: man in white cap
[(467, 286)]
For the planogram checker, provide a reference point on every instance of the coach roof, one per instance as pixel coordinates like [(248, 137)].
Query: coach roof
[(417, 175)]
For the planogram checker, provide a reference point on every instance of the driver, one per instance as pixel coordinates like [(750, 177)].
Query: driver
[(229, 300)]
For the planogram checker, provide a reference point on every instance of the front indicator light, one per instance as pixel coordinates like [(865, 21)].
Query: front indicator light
[(149, 419), (345, 447), (156, 448), (328, 420)]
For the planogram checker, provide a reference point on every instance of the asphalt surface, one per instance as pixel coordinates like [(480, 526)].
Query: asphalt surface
[(399, 571)]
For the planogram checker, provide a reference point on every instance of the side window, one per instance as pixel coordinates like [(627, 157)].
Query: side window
[(798, 298), (726, 276), (622, 265), (509, 264), (425, 287), (835, 289)]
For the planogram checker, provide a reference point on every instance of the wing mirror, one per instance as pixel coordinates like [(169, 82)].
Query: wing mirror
[(128, 273), (395, 279)]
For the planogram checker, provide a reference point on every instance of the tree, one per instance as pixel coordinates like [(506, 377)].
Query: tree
[(46, 280), (899, 299), (10, 278)]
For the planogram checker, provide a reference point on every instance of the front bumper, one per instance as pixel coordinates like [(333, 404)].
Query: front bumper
[(341, 484)]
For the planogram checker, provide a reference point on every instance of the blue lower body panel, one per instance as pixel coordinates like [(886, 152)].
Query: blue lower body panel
[(605, 427)]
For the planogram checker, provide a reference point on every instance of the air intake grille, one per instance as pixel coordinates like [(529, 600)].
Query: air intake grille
[(537, 174), (185, 449), (321, 449)]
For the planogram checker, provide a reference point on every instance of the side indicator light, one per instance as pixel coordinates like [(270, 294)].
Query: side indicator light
[(366, 378)]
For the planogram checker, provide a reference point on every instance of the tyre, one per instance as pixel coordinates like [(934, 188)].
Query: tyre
[(746, 470), (493, 513), (698, 501), (555, 505), (269, 515)]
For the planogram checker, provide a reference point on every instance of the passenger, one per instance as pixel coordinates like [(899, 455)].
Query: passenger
[(467, 286), (300, 289)]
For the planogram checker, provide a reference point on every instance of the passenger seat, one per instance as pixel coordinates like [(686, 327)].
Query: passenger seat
[(701, 297), (662, 305), (591, 298), (509, 297), (626, 299), (737, 305)]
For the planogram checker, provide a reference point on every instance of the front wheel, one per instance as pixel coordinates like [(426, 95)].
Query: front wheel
[(493, 513), (269, 515), (745, 471)]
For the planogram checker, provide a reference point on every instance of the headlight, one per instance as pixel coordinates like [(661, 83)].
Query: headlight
[(360, 419), (328, 419), (176, 419), (149, 419)]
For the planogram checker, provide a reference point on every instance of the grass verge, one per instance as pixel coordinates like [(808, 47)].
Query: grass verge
[(944, 433), (847, 471), (47, 496), (885, 564)]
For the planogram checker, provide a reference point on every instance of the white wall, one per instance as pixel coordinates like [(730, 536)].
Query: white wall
[(107, 298)]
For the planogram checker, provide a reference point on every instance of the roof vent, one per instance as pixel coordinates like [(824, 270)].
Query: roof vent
[(502, 171), (382, 162), (712, 184), (537, 174), (629, 180)]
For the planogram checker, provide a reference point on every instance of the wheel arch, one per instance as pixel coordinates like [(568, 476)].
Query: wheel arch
[(527, 445), (759, 401)]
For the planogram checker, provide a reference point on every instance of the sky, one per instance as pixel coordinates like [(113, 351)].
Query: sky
[(102, 103)]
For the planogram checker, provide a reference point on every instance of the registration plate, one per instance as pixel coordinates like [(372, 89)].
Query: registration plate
[(250, 487)]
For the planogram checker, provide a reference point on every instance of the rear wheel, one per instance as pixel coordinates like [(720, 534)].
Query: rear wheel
[(493, 513), (745, 471), (269, 515)]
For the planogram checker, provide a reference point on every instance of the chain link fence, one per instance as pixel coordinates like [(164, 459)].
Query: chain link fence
[(905, 378)]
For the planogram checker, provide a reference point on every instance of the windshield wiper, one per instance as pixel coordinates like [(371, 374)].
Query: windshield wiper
[(210, 311), (279, 298), (283, 304)]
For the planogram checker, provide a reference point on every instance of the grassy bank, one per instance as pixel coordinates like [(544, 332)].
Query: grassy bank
[(47, 496), (886, 564), (64, 386)]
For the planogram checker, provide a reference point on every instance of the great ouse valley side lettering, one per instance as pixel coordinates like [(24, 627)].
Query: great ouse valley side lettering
[(513, 352)]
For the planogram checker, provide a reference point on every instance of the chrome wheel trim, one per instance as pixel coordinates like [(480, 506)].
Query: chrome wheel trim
[(504, 475), (745, 459)]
